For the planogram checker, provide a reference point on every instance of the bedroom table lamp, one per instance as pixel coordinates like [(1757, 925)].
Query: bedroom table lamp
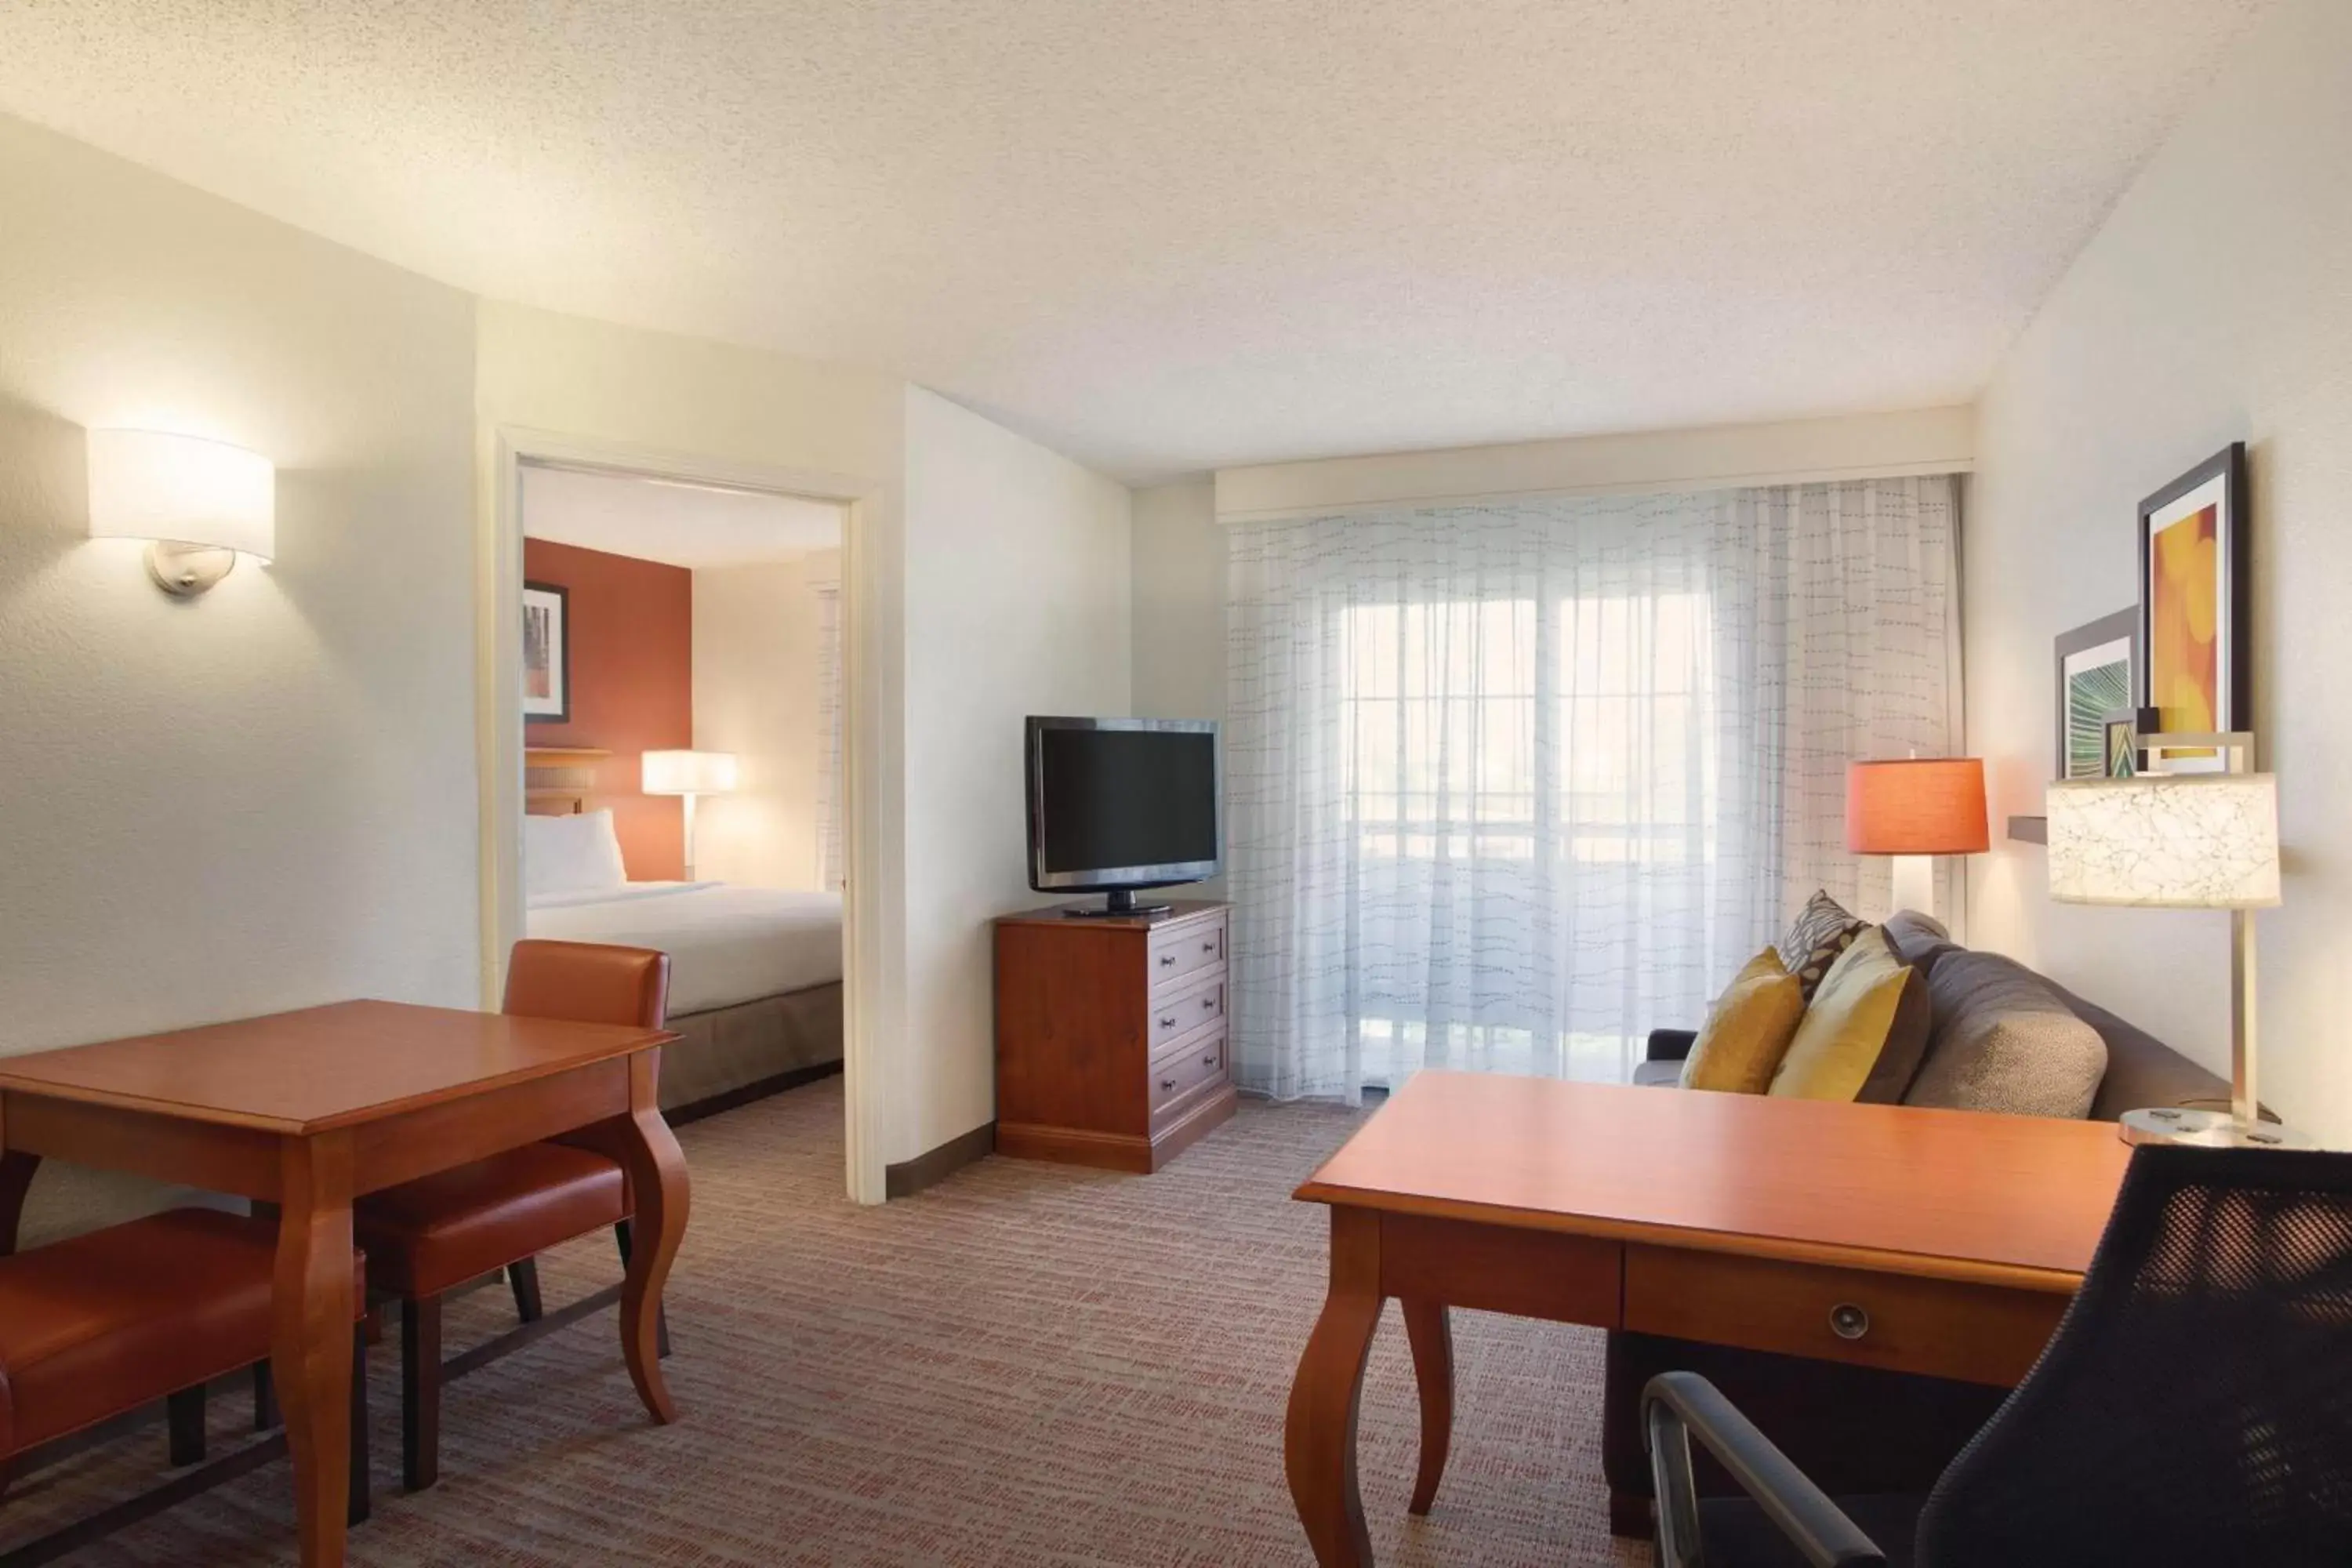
[(2183, 841), (690, 774), (1914, 808)]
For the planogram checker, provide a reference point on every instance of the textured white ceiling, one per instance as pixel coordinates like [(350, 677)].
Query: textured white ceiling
[(1166, 235), (684, 525)]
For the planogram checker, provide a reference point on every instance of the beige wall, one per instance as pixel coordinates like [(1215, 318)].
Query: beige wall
[(756, 694), (1017, 603), (265, 797), (1180, 611), (2215, 305)]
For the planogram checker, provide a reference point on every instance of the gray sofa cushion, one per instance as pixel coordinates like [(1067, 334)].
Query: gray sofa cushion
[(2006, 1040), (1658, 1075)]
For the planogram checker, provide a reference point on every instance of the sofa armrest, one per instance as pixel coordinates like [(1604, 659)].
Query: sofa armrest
[(1670, 1045)]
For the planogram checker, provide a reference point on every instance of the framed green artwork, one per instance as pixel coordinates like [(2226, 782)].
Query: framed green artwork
[(2098, 668)]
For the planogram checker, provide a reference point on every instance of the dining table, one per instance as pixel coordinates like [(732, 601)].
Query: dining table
[(305, 1111)]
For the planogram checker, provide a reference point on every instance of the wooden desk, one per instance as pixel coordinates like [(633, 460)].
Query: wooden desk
[(309, 1110), (1929, 1241)]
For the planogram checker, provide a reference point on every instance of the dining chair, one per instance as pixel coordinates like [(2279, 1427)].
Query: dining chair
[(428, 1237), (98, 1325), (2193, 1407)]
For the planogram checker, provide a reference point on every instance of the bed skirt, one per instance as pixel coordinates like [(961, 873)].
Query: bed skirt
[(725, 1049)]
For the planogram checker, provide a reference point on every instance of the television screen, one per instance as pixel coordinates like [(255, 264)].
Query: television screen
[(1117, 801)]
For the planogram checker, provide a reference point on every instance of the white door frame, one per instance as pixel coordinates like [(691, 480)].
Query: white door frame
[(500, 731)]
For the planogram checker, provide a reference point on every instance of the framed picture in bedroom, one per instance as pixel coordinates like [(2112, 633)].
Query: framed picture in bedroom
[(2195, 579), (2098, 668), (546, 654)]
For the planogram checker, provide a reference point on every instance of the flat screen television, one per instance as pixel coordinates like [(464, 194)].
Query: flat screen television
[(1123, 805)]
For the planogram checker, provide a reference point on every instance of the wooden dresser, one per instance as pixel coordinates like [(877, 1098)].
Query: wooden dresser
[(1110, 1035)]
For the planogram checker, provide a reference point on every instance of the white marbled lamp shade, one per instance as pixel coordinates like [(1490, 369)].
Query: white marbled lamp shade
[(2194, 841)]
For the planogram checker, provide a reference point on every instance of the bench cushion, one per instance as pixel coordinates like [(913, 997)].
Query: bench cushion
[(101, 1324)]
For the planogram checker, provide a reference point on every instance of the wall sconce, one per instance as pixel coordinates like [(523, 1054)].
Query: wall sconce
[(200, 504)]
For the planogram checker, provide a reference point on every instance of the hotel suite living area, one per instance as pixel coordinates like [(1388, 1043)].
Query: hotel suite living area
[(1712, 624)]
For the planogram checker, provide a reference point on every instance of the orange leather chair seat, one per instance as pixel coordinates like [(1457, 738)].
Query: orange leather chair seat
[(107, 1322), (424, 1237)]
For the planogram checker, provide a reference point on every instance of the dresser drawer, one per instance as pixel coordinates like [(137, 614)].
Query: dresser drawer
[(1178, 1072), (1978, 1333), (1188, 949), (1177, 1013)]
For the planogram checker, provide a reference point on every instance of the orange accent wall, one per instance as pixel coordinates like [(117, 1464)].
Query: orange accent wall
[(632, 630)]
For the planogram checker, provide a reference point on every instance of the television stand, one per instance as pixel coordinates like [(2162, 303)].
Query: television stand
[(1120, 905), (1110, 1035)]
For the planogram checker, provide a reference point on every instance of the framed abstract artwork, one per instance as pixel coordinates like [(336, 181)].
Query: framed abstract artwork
[(546, 654), (2195, 577), (2098, 668)]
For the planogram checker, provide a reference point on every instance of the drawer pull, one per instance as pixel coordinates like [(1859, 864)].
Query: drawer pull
[(1848, 1321), (1210, 1060), (1165, 1085), (1209, 1003), (1167, 1020), (1205, 947), (1167, 961)]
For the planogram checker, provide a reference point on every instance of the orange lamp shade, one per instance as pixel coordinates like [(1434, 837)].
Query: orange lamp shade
[(1923, 806)]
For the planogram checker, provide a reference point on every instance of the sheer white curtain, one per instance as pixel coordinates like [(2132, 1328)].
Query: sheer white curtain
[(1513, 783)]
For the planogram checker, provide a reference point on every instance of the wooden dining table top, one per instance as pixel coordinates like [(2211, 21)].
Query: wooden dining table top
[(2018, 1200), (319, 1068)]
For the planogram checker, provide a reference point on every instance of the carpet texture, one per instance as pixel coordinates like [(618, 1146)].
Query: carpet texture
[(1027, 1365)]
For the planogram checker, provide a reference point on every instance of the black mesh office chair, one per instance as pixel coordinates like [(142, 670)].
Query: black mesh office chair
[(2195, 1406)]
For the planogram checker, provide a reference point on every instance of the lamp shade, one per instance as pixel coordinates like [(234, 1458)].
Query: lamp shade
[(1919, 806), (2167, 841), (689, 773), (182, 490)]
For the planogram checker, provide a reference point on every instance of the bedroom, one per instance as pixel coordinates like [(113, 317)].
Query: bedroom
[(682, 759)]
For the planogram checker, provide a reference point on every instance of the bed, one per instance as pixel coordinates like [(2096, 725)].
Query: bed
[(755, 973)]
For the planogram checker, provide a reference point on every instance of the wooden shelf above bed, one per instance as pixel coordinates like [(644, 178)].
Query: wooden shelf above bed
[(558, 780)]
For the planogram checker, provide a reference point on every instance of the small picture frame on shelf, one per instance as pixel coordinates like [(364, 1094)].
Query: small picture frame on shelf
[(2124, 727), (2195, 630)]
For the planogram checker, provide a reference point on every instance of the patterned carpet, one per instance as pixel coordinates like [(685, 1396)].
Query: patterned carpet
[(1025, 1366)]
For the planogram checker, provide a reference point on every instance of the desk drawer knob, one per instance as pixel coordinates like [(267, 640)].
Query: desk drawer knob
[(1208, 947), (1848, 1321), (1167, 961), (1210, 1060), (1166, 1084), (1167, 1020), (1209, 1003)]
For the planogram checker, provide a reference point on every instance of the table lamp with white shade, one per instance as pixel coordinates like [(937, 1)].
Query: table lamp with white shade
[(690, 774), (2183, 841)]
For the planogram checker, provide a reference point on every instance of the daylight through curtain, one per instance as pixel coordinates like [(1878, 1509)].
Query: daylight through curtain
[(1513, 783)]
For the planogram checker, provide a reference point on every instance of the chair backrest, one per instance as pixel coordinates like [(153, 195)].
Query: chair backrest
[(2195, 1406), (588, 982)]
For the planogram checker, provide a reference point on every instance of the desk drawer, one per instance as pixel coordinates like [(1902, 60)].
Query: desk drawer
[(1188, 949), (1978, 1333), (1179, 1013)]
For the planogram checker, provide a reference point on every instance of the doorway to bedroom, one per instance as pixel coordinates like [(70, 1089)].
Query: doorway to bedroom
[(683, 692)]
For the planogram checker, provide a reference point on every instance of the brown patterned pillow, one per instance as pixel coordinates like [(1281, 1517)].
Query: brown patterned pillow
[(1823, 930)]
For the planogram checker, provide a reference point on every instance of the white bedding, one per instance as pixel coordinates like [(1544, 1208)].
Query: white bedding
[(726, 944)]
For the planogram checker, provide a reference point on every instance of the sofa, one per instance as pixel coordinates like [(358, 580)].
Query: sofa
[(1859, 1430)]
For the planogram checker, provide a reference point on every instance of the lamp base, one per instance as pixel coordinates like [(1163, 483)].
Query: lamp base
[(2206, 1128)]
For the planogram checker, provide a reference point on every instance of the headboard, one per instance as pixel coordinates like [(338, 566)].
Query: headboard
[(558, 780)]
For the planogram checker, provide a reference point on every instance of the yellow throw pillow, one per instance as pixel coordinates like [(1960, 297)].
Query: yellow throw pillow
[(1869, 998), (1747, 1029)]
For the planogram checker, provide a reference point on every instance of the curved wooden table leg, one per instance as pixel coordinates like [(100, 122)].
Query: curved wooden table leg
[(1430, 1334), (648, 1152), (1318, 1435), (310, 1339)]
